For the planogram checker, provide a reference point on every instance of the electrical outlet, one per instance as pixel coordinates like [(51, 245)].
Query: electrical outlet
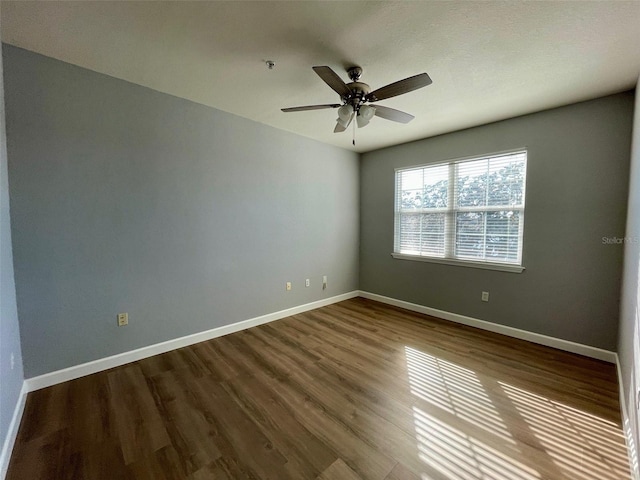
[(13, 360), (485, 296), (324, 282), (288, 286), (123, 319), (307, 283)]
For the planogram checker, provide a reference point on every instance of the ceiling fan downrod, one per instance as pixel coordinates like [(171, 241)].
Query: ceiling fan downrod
[(358, 90)]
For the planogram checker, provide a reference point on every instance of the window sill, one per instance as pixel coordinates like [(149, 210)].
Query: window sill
[(461, 263)]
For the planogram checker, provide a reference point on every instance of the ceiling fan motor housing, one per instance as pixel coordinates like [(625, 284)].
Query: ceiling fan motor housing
[(358, 91)]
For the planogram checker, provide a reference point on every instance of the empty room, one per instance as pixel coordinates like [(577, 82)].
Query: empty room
[(323, 240)]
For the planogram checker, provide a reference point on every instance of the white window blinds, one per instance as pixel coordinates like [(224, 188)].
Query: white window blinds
[(470, 210)]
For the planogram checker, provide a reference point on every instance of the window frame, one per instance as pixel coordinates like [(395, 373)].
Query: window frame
[(451, 210)]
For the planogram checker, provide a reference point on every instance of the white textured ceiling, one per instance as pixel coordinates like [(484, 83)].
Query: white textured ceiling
[(488, 60)]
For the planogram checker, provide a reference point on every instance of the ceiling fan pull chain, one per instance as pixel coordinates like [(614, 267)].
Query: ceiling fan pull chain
[(354, 133)]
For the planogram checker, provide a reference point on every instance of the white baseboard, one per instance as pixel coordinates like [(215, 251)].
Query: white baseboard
[(635, 473), (77, 371), (12, 433), (538, 338)]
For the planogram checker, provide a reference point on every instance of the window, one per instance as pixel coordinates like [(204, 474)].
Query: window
[(465, 212)]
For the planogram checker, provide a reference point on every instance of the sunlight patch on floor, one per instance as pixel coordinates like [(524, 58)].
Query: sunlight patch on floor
[(460, 456), (583, 445), (541, 436), (455, 389), (631, 445)]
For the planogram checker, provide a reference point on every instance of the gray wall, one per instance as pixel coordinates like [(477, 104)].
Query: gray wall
[(629, 336), (11, 378), (577, 176), (188, 218)]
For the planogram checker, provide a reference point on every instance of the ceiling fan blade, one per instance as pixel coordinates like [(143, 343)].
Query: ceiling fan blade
[(400, 87), (310, 107), (332, 79), (341, 128), (392, 114)]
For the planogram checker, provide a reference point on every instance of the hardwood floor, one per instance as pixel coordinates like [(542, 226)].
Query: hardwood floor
[(356, 390)]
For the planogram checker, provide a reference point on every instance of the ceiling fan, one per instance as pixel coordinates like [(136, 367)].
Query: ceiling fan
[(356, 97)]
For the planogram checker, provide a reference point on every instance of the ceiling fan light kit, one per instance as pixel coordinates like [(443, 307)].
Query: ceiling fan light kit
[(344, 112), (365, 114), (356, 94)]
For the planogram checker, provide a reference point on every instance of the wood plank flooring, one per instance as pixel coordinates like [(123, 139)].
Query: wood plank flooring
[(353, 391)]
